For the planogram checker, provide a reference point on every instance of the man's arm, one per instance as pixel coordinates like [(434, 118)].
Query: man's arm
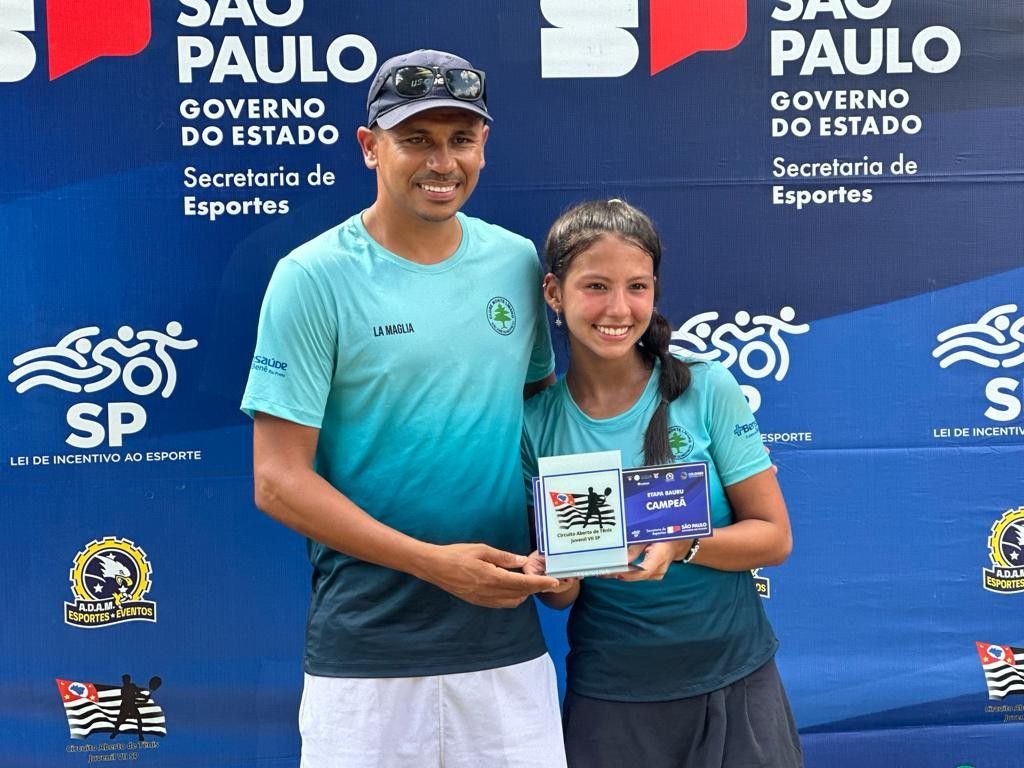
[(290, 491)]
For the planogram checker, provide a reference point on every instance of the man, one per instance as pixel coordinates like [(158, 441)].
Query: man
[(387, 432)]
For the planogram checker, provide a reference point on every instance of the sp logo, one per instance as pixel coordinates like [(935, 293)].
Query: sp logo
[(77, 32), (589, 38)]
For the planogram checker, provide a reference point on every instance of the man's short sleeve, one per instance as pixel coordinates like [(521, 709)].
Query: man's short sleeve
[(542, 357), (736, 445), (293, 365)]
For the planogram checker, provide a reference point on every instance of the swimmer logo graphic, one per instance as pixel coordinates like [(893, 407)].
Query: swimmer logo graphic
[(742, 342), (1006, 551), (590, 38), (79, 363), (77, 31), (109, 580), (995, 341)]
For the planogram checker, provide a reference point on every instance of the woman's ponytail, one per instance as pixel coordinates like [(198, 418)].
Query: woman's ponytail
[(673, 380)]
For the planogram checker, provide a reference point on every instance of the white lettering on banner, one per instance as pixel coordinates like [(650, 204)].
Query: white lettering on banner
[(762, 351), (834, 167), (804, 50), (17, 54), (1000, 392), (589, 38), (122, 419), (884, 46), (241, 179), (800, 198), (771, 438), (253, 109), (290, 56), (802, 101), (140, 361), (793, 10), (232, 59), (995, 340), (242, 11), (789, 45)]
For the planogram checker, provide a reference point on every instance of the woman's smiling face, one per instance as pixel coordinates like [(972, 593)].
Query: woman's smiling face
[(606, 296)]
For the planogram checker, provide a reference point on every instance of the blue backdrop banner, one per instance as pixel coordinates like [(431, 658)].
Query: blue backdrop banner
[(839, 186)]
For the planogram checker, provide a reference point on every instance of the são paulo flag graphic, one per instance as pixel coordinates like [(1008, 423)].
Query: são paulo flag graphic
[(1004, 669), (98, 708)]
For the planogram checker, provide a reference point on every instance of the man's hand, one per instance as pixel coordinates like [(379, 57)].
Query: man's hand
[(482, 575), (656, 559), (535, 566), (559, 597)]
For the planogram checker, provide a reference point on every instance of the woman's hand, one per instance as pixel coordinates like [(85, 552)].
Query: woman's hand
[(657, 557)]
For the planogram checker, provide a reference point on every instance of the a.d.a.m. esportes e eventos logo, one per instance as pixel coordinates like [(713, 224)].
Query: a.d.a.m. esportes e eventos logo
[(109, 580)]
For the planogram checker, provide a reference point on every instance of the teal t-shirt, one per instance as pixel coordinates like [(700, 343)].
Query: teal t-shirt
[(698, 629), (414, 375)]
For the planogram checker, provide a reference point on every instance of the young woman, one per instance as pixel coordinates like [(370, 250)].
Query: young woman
[(670, 665)]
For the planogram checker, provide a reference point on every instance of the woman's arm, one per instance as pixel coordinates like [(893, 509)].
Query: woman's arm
[(761, 534)]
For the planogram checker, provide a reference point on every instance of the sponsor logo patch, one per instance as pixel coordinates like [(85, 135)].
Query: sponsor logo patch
[(109, 580), (1006, 551)]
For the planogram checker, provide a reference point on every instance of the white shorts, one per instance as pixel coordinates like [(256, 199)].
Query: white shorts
[(500, 718)]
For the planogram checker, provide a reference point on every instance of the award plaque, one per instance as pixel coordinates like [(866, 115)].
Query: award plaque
[(578, 505), (587, 510)]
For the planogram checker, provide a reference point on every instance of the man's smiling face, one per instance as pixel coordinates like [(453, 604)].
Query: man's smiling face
[(427, 166)]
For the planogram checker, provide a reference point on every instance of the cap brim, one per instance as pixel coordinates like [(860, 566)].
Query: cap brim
[(407, 109)]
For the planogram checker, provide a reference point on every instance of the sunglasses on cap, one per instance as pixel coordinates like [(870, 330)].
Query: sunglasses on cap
[(414, 81)]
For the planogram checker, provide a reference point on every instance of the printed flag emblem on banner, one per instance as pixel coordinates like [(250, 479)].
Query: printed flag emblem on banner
[(1004, 669), (96, 708)]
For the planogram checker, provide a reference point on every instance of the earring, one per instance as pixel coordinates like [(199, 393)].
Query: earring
[(558, 319)]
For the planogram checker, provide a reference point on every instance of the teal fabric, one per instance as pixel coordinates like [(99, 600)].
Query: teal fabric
[(414, 375), (698, 629)]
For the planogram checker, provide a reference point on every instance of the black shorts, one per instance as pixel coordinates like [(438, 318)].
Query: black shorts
[(745, 725)]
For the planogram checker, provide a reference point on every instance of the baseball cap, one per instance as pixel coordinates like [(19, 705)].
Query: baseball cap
[(387, 108)]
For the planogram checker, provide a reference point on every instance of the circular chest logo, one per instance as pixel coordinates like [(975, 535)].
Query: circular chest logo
[(501, 315), (680, 442)]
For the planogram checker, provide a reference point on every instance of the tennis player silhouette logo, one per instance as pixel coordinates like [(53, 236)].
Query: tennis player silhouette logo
[(584, 510), (132, 698)]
